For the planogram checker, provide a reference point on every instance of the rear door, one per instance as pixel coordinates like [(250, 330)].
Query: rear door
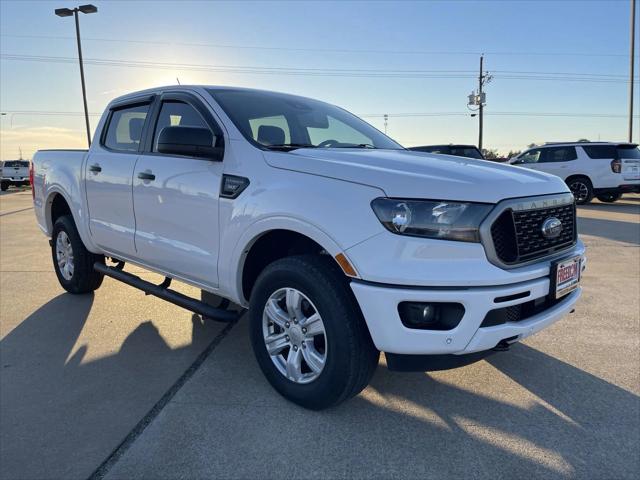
[(108, 177), (176, 198)]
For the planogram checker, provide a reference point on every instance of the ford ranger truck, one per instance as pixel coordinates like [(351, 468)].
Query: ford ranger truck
[(339, 242)]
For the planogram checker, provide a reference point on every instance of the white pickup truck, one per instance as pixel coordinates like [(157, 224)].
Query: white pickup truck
[(340, 242)]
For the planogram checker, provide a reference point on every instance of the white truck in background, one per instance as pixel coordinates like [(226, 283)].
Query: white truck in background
[(341, 243), (14, 172)]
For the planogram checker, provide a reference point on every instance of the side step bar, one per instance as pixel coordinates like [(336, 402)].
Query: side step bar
[(161, 291)]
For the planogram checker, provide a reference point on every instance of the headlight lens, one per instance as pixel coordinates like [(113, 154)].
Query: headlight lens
[(432, 218)]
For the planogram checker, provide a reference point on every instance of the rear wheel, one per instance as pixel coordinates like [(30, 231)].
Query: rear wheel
[(308, 334), (609, 197), (4, 186), (72, 262), (582, 189)]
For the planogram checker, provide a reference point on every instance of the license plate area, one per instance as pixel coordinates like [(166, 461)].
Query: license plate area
[(565, 276)]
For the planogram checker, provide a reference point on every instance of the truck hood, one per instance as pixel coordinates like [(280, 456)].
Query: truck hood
[(408, 174)]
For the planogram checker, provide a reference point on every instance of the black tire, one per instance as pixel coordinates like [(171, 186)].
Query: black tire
[(609, 197), (582, 189), (351, 357), (84, 278), (4, 186)]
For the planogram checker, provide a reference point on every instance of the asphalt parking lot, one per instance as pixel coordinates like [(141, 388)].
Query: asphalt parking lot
[(119, 385)]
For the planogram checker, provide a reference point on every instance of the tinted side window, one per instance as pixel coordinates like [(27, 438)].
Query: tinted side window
[(629, 152), (600, 151), (124, 131), (559, 154), (466, 152), (174, 114)]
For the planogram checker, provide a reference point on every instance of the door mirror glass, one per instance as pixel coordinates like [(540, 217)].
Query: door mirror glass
[(189, 141)]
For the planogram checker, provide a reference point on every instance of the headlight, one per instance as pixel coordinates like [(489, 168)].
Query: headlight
[(432, 218)]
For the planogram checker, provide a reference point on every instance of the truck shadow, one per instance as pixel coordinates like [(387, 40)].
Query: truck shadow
[(71, 411), (575, 424), (628, 232)]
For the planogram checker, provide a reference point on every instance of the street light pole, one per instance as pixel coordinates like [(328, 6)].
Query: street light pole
[(67, 12), (631, 67), (480, 82)]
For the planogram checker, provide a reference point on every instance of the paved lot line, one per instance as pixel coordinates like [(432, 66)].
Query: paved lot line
[(121, 449)]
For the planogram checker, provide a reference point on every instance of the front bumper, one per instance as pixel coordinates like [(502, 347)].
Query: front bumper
[(379, 305)]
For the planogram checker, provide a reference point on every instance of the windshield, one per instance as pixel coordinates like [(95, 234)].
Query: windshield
[(284, 122), (469, 152), (15, 164)]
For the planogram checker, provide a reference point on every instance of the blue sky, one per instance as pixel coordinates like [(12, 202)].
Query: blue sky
[(362, 53)]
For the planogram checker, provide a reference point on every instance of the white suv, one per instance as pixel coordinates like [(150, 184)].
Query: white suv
[(603, 169)]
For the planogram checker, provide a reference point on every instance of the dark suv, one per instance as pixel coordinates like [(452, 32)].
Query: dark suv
[(469, 151)]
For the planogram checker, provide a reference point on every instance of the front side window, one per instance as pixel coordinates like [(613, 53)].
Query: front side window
[(124, 131), (532, 156), (559, 154), (284, 122), (176, 114)]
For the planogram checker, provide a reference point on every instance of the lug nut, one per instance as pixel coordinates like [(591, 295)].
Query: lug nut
[(295, 320), (304, 345), (295, 348), (286, 338), (287, 324), (304, 330)]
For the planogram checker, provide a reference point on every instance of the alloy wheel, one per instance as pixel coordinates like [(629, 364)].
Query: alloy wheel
[(294, 335)]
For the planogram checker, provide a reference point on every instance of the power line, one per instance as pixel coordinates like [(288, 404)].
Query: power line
[(378, 115), (320, 50), (336, 72)]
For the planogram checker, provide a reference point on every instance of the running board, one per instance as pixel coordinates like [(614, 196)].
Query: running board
[(161, 291)]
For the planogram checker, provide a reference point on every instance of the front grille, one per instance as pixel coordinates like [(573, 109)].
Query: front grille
[(517, 235)]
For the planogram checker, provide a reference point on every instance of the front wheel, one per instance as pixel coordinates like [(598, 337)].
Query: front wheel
[(4, 186), (609, 197), (308, 334), (582, 189), (72, 262)]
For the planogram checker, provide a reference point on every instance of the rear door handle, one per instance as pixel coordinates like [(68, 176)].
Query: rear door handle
[(146, 176), (95, 168)]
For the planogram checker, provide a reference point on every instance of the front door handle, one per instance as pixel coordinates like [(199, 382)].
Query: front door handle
[(95, 168), (146, 176)]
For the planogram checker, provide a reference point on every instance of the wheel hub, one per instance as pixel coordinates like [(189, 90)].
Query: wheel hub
[(294, 335), (64, 255)]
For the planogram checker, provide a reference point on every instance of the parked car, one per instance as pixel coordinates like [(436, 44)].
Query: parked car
[(605, 170), (469, 151), (14, 172), (340, 242)]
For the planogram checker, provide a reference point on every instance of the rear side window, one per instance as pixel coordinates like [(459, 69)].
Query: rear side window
[(124, 131), (600, 151), (559, 154)]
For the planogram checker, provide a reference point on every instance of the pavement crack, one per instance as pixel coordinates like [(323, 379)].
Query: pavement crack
[(104, 468)]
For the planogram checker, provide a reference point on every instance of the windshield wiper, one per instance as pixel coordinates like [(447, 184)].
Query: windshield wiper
[(289, 146), (359, 145)]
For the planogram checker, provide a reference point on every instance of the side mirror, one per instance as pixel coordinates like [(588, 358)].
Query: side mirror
[(189, 141)]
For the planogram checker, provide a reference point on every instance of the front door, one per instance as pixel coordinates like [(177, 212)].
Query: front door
[(108, 174), (176, 200)]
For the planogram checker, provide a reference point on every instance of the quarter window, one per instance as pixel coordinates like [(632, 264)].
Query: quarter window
[(600, 151), (124, 132), (176, 114)]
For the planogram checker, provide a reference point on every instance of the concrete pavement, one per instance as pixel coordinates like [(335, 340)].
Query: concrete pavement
[(80, 375)]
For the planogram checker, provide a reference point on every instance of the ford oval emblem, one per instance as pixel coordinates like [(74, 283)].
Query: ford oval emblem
[(551, 227)]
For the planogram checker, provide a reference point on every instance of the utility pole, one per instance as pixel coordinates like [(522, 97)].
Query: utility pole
[(386, 119), (480, 107), (631, 67)]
